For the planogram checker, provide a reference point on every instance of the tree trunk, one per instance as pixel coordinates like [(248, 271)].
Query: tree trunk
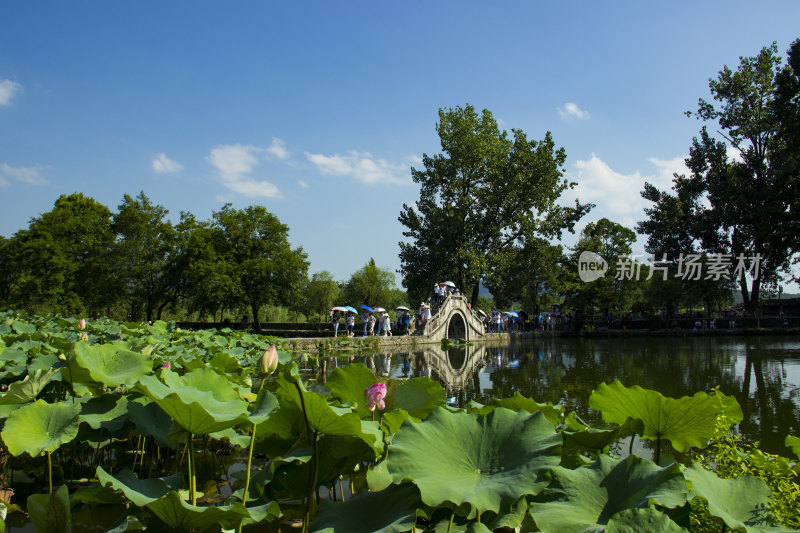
[(476, 290), (256, 323)]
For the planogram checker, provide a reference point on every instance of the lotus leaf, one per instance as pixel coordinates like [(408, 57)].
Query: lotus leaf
[(579, 435), (150, 419), (349, 382), (109, 411), (201, 402), (487, 461), (637, 520), (181, 516), (28, 389), (109, 364), (50, 513), (518, 402), (742, 502), (686, 422), (46, 362), (139, 491), (592, 495), (40, 427), (417, 396), (392, 510), (793, 443)]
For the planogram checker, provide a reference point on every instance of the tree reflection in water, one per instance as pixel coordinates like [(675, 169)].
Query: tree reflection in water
[(763, 374)]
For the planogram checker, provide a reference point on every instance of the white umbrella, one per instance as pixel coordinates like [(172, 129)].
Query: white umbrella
[(401, 308), (378, 309)]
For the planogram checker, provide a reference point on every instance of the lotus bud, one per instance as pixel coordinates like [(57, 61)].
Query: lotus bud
[(82, 324), (269, 361), (375, 395), (84, 336), (62, 357), (168, 364)]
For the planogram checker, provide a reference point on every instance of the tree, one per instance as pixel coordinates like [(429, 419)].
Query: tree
[(143, 251), (321, 293), (253, 246), (64, 258), (739, 206), (526, 274), (370, 285), (477, 199), (612, 292), (786, 155), (8, 270)]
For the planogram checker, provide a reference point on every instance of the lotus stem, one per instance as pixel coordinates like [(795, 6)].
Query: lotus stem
[(450, 525), (136, 454), (49, 473), (630, 446), (192, 488), (658, 450)]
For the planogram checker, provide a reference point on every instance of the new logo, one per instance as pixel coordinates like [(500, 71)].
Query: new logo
[(591, 266)]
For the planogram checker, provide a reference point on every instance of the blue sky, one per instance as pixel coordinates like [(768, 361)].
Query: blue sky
[(317, 110)]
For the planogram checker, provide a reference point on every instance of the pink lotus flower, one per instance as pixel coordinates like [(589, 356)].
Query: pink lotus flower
[(375, 395), (168, 364), (82, 324), (269, 361), (84, 336)]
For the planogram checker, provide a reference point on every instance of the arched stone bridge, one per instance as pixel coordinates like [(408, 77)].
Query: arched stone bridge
[(452, 320)]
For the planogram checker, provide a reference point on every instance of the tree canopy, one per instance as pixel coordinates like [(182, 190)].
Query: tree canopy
[(737, 198), (478, 198)]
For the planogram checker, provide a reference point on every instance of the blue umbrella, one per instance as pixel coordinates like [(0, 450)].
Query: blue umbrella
[(367, 308)]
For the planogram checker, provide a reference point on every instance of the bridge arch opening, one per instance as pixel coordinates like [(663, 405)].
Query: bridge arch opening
[(457, 328)]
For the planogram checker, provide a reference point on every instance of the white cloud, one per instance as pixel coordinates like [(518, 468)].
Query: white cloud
[(361, 166), (303, 184), (617, 194), (571, 110), (164, 165), (8, 89), (278, 149), (235, 163), (29, 175)]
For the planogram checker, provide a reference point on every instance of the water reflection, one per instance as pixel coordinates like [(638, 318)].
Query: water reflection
[(763, 373)]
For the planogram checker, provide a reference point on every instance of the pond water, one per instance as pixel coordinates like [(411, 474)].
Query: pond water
[(763, 373)]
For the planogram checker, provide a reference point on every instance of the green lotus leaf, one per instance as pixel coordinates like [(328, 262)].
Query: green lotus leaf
[(97, 494), (139, 491), (150, 419), (417, 396), (45, 362), (201, 402), (378, 477), (392, 510), (181, 516), (13, 371), (41, 427), (13, 355), (266, 403), (349, 382), (518, 402), (127, 523), (637, 520), (686, 422), (793, 443), (109, 364), (322, 417), (592, 495), (50, 513), (581, 436), (109, 411), (742, 502), (487, 461), (29, 388)]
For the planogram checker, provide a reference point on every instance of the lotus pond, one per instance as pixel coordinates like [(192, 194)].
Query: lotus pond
[(122, 427)]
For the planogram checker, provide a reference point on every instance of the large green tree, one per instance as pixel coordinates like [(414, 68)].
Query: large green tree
[(64, 259), (619, 288), (478, 198), (526, 274), (736, 204), (254, 246), (322, 292), (370, 285), (143, 251)]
